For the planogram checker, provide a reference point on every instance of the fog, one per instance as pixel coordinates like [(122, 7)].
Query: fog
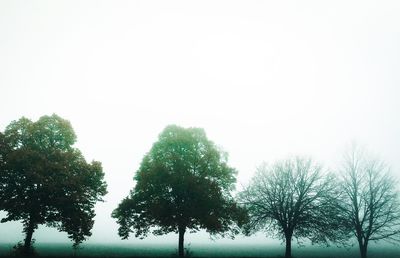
[(266, 80)]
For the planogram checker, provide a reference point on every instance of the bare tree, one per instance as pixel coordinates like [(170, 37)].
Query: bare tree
[(293, 199), (370, 202)]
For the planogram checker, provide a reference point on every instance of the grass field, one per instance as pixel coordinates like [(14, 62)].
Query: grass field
[(217, 250)]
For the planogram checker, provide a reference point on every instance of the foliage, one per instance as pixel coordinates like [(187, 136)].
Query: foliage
[(45, 180), (184, 182), (19, 250), (371, 204), (292, 198)]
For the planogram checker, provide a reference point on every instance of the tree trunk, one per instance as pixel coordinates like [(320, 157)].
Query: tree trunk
[(288, 251), (363, 249), (181, 241), (28, 237)]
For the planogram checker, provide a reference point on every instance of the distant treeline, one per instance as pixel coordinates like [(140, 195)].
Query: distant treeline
[(184, 184)]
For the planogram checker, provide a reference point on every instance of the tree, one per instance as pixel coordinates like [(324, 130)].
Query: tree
[(183, 183), (4, 149), (292, 198), (45, 180), (370, 203)]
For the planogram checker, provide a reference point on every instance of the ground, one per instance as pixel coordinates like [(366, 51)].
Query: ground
[(198, 250)]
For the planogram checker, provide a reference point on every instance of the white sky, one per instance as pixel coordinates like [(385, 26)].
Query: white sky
[(264, 79)]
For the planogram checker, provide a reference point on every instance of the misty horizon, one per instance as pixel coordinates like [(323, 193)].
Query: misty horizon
[(266, 81)]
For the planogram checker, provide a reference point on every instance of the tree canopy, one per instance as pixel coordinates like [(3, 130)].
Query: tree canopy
[(183, 183), (45, 180), (293, 199)]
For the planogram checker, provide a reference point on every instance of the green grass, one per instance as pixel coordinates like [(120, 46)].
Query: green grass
[(198, 250)]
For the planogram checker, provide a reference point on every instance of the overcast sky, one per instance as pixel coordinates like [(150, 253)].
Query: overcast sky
[(266, 80)]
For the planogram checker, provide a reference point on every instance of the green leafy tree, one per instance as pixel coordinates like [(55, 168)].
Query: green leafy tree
[(45, 180), (4, 149), (183, 183), (293, 199)]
